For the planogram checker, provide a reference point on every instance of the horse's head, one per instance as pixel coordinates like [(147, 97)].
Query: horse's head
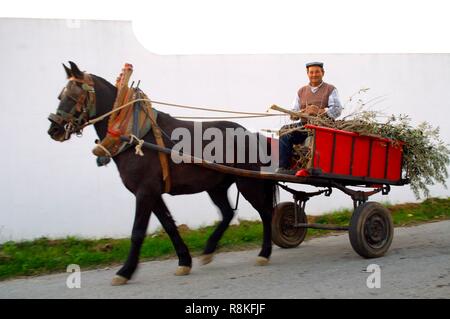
[(76, 106)]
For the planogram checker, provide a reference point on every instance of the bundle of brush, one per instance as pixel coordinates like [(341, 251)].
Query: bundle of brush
[(425, 155), (425, 158), (301, 155)]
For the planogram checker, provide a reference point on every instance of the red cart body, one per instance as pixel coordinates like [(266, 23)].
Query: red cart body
[(342, 154)]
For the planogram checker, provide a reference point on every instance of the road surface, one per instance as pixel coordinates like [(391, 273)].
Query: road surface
[(416, 266)]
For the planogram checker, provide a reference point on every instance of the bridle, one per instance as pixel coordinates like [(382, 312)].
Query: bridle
[(84, 108)]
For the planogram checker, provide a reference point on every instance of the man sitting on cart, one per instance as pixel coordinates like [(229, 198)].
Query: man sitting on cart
[(315, 99)]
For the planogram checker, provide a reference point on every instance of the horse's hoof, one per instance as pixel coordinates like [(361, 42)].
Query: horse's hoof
[(206, 259), (261, 261), (119, 280), (183, 271)]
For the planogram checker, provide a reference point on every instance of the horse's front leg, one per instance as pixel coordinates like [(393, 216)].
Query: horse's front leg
[(144, 206), (165, 218)]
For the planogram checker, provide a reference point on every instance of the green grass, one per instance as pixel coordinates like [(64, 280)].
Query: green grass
[(45, 255)]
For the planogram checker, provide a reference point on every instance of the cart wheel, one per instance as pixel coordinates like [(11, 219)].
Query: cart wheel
[(371, 230), (284, 234)]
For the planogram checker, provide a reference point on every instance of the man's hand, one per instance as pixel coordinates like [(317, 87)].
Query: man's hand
[(322, 111), (311, 110)]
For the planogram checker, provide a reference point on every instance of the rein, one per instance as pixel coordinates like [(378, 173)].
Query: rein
[(246, 114), (85, 107)]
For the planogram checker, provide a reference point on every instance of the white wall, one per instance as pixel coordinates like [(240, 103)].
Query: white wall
[(55, 189)]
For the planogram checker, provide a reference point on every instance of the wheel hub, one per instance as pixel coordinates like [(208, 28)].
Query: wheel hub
[(287, 226), (375, 231)]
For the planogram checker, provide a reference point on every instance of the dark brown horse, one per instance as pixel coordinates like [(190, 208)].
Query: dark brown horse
[(142, 176)]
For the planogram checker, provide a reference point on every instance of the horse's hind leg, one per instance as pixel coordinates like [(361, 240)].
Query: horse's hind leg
[(165, 218), (220, 198), (260, 194)]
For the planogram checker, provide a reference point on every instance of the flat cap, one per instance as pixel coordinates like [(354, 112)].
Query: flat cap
[(314, 64)]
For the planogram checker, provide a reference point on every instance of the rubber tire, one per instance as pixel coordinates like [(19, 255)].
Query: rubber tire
[(357, 230), (279, 236)]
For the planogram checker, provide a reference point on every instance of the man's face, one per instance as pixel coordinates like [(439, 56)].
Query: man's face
[(315, 74)]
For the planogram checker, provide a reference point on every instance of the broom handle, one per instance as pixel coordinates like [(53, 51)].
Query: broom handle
[(290, 112)]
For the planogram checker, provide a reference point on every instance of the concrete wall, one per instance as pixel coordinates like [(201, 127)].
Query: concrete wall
[(53, 189)]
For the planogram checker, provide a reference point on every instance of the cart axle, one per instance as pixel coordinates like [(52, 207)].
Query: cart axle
[(322, 226)]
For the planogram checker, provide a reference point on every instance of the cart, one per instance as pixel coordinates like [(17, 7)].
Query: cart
[(339, 160)]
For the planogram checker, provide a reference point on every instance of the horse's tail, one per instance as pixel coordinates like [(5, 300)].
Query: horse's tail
[(272, 189)]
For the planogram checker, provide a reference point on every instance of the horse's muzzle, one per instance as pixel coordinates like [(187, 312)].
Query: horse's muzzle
[(56, 130)]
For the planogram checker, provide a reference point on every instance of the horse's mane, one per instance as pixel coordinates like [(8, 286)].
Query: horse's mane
[(102, 80)]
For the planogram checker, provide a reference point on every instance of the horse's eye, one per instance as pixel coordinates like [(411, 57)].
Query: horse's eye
[(75, 90)]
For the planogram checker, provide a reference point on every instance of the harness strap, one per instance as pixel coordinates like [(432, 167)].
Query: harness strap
[(163, 158), (104, 149), (87, 110)]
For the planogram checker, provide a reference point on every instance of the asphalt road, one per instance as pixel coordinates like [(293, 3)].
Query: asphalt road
[(416, 266)]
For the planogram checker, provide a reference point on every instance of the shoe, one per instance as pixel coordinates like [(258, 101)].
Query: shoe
[(285, 171)]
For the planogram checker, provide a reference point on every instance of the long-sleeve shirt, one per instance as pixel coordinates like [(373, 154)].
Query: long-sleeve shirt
[(334, 108)]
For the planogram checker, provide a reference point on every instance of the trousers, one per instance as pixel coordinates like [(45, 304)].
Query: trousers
[(287, 141)]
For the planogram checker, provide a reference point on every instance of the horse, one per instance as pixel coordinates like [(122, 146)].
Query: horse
[(86, 96)]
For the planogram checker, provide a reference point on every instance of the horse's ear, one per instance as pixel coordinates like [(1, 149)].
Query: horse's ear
[(68, 72), (75, 70)]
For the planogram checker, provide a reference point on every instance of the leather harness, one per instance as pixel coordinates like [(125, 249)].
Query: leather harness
[(85, 108)]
